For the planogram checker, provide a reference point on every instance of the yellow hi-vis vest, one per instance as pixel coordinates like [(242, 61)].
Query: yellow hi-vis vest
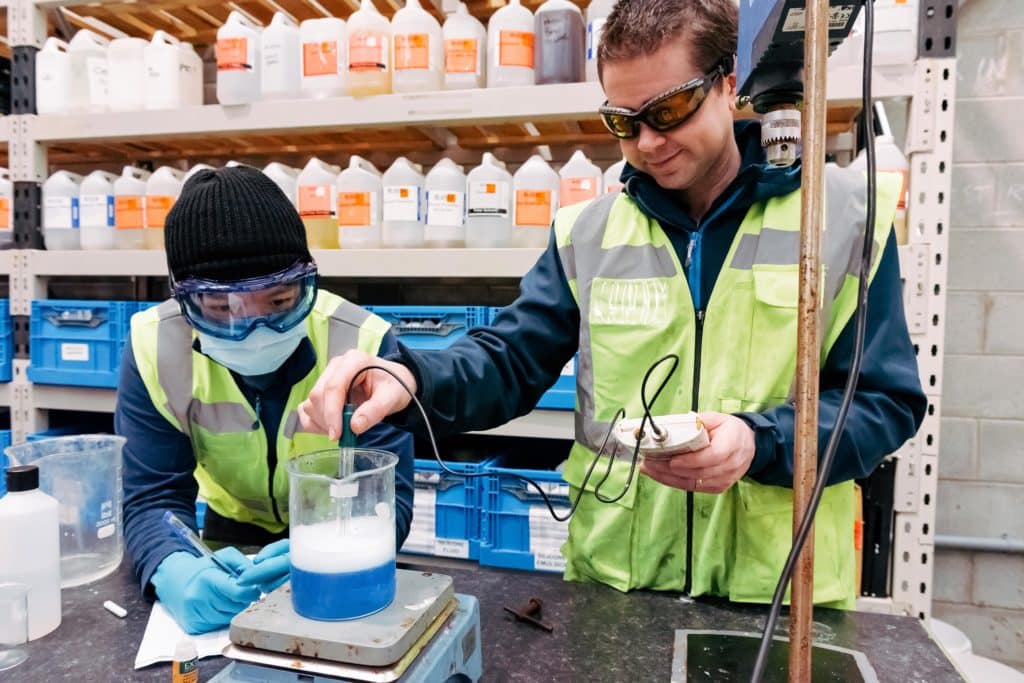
[(201, 399), (635, 307)]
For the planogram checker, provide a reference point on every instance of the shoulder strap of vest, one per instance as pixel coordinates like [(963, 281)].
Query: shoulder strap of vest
[(349, 326), (162, 344)]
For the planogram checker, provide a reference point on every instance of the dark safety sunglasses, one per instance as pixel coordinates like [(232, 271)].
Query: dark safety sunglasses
[(664, 112)]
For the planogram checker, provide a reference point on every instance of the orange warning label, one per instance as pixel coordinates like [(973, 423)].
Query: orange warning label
[(412, 51), (320, 58), (233, 54), (5, 213), (354, 209), (157, 207), (366, 52), (533, 208), (576, 190), (515, 48), (128, 212), (460, 56), (315, 200)]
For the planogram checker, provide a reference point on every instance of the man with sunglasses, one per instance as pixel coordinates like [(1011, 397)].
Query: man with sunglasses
[(210, 383), (697, 257)]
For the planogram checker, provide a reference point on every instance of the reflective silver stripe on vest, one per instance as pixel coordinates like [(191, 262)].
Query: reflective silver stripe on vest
[(173, 367), (343, 329)]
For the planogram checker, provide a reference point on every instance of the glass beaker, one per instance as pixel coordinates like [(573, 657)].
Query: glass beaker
[(83, 473), (13, 624), (341, 508)]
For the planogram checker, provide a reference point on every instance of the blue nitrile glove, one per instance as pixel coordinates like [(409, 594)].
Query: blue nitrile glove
[(200, 595), (269, 568)]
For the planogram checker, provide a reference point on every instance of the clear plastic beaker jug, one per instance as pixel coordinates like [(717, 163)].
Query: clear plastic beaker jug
[(342, 526), (84, 474)]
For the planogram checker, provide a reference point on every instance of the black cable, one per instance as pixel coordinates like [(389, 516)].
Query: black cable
[(860, 324)]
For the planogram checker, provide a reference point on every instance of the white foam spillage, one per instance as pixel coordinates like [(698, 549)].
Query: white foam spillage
[(367, 542)]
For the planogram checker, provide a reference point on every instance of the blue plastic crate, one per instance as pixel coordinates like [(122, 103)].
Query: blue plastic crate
[(518, 530), (78, 343), (431, 327), (447, 516), (5, 441), (6, 341), (562, 394), (55, 432)]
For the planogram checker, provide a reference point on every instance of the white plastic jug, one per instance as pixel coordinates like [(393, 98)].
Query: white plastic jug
[(324, 72), (89, 72), (60, 210), (318, 197), (465, 48), (510, 40), (195, 169), (489, 206), (417, 50), (597, 15), (536, 187), (280, 59), (130, 208), (127, 67), (369, 51), (560, 43), (190, 79), (286, 178), (581, 180), (238, 60), (613, 177), (360, 190), (162, 190), (53, 78), (174, 73), (446, 205), (96, 210), (6, 208), (402, 225), (890, 159)]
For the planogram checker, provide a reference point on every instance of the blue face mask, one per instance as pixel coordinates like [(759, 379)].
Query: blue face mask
[(262, 352)]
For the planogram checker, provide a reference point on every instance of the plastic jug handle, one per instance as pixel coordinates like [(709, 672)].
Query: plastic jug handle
[(56, 42), (283, 19), (164, 37)]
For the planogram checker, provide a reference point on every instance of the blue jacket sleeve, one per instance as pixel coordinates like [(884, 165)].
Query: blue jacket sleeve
[(499, 372), (385, 437), (888, 404), (157, 472)]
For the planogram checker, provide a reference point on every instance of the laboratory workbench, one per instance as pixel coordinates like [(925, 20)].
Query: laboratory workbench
[(599, 633)]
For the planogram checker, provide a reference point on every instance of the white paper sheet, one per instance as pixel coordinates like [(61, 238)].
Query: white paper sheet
[(163, 633)]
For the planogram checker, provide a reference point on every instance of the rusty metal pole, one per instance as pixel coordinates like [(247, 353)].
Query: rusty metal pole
[(805, 460)]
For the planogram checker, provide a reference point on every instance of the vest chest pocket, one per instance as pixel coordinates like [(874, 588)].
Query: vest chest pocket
[(772, 361)]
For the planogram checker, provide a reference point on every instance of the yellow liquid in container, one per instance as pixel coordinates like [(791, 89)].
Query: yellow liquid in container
[(153, 238), (322, 233)]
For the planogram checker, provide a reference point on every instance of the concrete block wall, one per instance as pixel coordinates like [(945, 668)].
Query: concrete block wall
[(981, 463)]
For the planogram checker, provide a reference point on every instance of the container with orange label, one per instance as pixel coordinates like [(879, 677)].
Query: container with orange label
[(129, 208), (465, 42), (402, 225), (318, 203), (238, 60), (162, 190), (417, 50), (6, 208), (510, 40), (446, 205), (369, 52), (536, 200), (613, 177), (359, 205), (489, 205), (581, 180), (324, 70)]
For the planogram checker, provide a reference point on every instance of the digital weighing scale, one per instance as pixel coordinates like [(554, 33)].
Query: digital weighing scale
[(427, 634)]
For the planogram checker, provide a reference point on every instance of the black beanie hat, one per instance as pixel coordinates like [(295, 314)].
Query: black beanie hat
[(231, 224)]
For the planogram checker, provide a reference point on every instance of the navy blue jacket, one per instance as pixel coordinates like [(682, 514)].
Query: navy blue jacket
[(159, 461), (497, 373)]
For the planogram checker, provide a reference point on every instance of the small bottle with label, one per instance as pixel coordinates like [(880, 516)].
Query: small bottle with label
[(597, 15), (280, 54), (324, 71), (581, 180), (446, 206), (613, 177), (402, 227), (60, 210), (89, 72), (536, 189), (286, 178), (185, 665), (559, 48), (417, 50), (238, 60), (130, 208), (489, 206), (359, 205), (162, 190), (317, 190), (96, 210), (465, 45), (510, 40), (369, 52), (6, 209)]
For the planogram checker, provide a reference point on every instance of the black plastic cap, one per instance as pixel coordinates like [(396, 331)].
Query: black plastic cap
[(22, 478)]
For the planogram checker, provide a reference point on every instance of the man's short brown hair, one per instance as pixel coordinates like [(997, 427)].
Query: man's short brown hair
[(637, 28)]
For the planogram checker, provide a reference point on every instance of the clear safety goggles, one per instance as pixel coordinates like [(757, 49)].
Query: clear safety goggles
[(232, 310)]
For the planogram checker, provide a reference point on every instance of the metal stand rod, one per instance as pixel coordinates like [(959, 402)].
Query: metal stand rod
[(805, 461)]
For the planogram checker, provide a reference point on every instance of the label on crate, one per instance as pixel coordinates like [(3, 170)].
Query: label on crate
[(320, 58), (368, 52), (546, 538), (401, 203), (515, 48), (75, 352), (421, 537), (451, 547), (60, 212), (5, 214), (97, 209), (412, 51), (533, 208), (157, 208), (357, 209), (488, 199), (576, 190), (315, 201), (460, 56), (446, 209), (128, 212), (235, 54)]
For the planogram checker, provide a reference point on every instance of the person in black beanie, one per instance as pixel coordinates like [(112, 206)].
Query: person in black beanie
[(210, 384)]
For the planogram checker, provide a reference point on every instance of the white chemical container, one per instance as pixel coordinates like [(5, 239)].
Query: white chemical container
[(162, 189), (174, 73), (369, 52), (324, 71), (195, 169), (318, 197), (360, 191), (613, 177), (446, 205), (536, 187), (402, 225), (61, 210), (96, 210), (53, 78), (6, 209), (89, 72), (417, 50), (130, 208), (238, 60), (286, 178), (560, 43), (126, 63), (597, 15), (465, 50), (489, 205), (581, 180), (280, 59), (510, 40)]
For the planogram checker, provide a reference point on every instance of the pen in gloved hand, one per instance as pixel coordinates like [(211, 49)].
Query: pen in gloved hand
[(189, 537)]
